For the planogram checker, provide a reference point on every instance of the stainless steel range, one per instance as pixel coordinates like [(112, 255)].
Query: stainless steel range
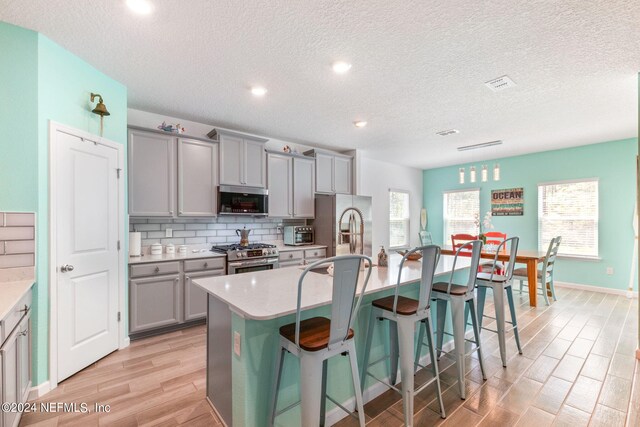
[(244, 259)]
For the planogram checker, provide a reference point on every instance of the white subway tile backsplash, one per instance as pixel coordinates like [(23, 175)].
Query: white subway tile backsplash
[(195, 227), (20, 247), (189, 233), (19, 219), (156, 234), (147, 227), (206, 233), (216, 239), (22, 260), (174, 240), (195, 240), (174, 227), (227, 233), (216, 226), (17, 233)]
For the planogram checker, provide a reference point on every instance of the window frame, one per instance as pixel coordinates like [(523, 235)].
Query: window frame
[(407, 219), (446, 235), (543, 247)]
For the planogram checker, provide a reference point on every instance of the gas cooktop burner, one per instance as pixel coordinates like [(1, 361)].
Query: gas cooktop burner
[(237, 247)]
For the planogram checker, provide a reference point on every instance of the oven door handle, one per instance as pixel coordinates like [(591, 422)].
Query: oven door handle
[(249, 264)]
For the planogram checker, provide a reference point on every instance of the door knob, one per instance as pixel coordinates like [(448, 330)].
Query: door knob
[(66, 267)]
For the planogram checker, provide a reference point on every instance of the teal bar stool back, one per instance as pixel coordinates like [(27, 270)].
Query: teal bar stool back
[(500, 284), (317, 339), (460, 296), (403, 314)]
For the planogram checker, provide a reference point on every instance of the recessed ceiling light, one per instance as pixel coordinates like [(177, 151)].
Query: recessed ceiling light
[(341, 67), (360, 123), (258, 91), (142, 7)]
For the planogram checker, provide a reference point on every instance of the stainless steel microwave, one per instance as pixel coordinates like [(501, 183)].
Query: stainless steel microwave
[(237, 200), (298, 235)]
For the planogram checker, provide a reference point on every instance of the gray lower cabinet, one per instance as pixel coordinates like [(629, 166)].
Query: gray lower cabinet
[(15, 363), (195, 298), (155, 302), (162, 294)]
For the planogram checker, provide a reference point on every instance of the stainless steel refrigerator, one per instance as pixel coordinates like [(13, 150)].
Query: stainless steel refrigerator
[(343, 224)]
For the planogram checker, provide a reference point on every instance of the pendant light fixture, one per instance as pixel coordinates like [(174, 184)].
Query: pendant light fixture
[(472, 174), (496, 172), (484, 173), (461, 176)]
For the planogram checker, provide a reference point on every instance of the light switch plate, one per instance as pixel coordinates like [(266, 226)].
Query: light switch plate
[(610, 271), (168, 232), (236, 343)]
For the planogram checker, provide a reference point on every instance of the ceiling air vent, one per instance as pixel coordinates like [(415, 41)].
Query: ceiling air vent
[(501, 83), (447, 132)]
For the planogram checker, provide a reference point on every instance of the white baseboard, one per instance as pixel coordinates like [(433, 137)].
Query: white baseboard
[(124, 343), (592, 288), (39, 390), (375, 390)]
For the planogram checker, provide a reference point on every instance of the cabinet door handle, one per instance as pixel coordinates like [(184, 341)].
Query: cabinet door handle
[(25, 309), (206, 264), (157, 270), (170, 212), (290, 255)]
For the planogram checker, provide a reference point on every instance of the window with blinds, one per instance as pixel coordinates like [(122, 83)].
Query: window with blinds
[(398, 219), (461, 208), (569, 209)]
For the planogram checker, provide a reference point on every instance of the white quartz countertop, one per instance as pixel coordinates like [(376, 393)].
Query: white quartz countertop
[(173, 257), (269, 294), (284, 248), (11, 292)]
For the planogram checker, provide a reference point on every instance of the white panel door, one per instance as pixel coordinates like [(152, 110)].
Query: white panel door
[(303, 188), (86, 212), (280, 185), (324, 173), (255, 164), (342, 175)]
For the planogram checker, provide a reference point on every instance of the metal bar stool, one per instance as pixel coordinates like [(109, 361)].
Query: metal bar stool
[(317, 339), (460, 296), (403, 313), (545, 276), (499, 284)]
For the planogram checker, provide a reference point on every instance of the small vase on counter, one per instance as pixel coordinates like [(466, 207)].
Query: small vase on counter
[(383, 259)]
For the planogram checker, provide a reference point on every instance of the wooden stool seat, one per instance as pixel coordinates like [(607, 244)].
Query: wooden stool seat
[(455, 289), (406, 306), (495, 278), (523, 272), (314, 333)]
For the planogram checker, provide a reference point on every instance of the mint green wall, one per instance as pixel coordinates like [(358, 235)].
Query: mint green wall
[(18, 118), (612, 162), (58, 84)]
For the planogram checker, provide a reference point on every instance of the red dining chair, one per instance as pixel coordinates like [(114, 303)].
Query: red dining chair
[(459, 240), (494, 238)]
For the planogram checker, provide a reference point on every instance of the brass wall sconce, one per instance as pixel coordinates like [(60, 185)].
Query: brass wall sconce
[(100, 109)]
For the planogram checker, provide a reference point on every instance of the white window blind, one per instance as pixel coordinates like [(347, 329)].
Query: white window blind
[(461, 208), (569, 209), (398, 219)]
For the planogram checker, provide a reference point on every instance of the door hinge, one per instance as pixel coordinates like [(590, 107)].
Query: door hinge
[(119, 316), (118, 172), (118, 244)]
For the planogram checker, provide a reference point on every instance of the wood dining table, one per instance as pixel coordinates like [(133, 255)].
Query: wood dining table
[(528, 257)]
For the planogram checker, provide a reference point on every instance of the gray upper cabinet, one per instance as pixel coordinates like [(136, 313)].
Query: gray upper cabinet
[(152, 174), (291, 186), (333, 172), (243, 161), (280, 182), (342, 175), (197, 177), (324, 173), (303, 188)]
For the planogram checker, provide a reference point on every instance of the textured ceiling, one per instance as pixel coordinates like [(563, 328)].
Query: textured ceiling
[(418, 68)]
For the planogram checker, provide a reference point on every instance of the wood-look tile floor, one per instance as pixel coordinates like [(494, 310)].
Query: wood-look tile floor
[(577, 369), (158, 381)]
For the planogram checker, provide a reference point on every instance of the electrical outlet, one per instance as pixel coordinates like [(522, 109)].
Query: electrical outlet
[(236, 343), (610, 271), (168, 232)]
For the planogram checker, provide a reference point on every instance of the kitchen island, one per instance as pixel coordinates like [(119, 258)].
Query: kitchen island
[(244, 314)]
